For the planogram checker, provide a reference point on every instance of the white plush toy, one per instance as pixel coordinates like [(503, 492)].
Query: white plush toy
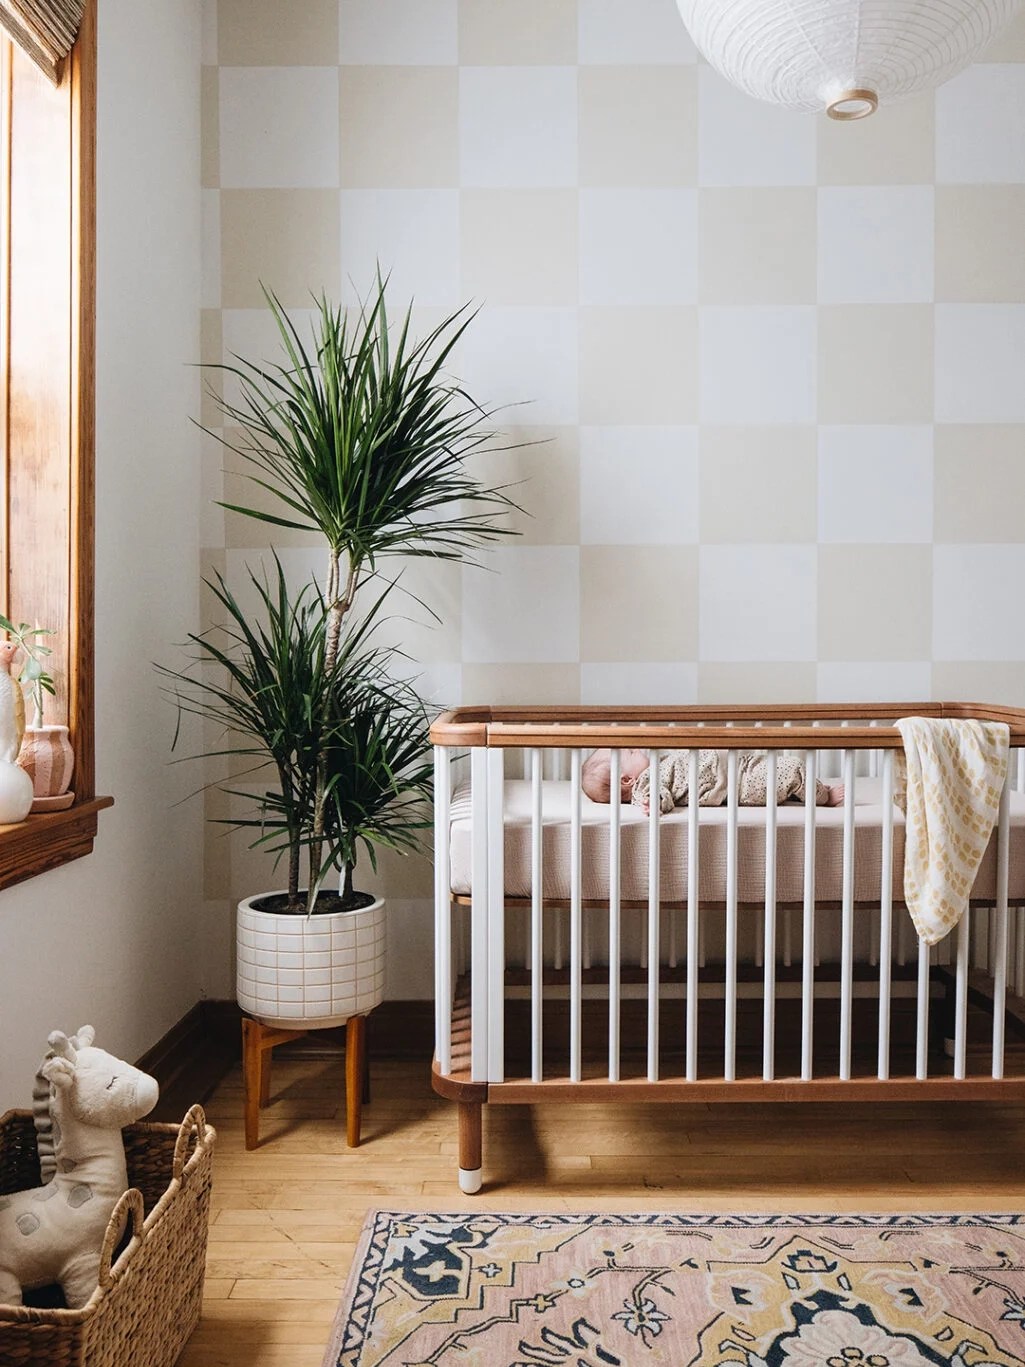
[(54, 1233)]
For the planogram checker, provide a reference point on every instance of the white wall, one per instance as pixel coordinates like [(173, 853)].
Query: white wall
[(111, 939)]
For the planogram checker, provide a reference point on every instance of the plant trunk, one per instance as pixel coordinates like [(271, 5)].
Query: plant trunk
[(347, 884), (337, 606)]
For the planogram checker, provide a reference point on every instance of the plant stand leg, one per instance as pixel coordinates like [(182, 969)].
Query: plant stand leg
[(257, 1042), (470, 1146), (355, 1071)]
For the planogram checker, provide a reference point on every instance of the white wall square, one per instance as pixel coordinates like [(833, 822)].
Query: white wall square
[(757, 603), (980, 126), (757, 364), (643, 684), (523, 607), (528, 357), (742, 141), (612, 34), (518, 126), (880, 681), (398, 32), (980, 363), (638, 246), (279, 127), (978, 605), (638, 486), (875, 484), (876, 244), (412, 235)]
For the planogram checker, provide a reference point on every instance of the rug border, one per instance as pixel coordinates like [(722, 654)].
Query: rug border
[(810, 1220)]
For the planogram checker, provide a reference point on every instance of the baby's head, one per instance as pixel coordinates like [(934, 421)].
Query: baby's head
[(596, 773)]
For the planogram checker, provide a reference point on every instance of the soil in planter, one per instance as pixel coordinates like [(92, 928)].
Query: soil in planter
[(327, 903)]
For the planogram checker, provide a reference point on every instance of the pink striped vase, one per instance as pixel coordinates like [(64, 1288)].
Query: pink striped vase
[(47, 758)]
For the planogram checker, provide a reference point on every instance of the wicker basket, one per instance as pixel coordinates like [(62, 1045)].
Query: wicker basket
[(147, 1303)]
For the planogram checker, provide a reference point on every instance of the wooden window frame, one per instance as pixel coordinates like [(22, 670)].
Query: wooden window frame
[(47, 411)]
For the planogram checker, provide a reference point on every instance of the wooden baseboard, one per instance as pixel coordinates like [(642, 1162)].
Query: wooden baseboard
[(203, 1047)]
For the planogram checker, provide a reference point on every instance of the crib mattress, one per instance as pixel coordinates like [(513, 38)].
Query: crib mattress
[(868, 813)]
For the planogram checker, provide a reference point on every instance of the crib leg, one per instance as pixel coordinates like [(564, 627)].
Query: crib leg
[(470, 1144)]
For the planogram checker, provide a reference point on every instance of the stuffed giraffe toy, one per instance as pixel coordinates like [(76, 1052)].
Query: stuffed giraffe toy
[(54, 1233)]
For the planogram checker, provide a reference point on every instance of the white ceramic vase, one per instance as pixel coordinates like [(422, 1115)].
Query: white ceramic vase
[(309, 972), (15, 793)]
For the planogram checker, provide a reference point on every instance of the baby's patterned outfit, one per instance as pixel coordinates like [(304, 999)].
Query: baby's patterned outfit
[(674, 780)]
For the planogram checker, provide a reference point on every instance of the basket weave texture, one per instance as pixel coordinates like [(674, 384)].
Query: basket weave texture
[(148, 1300)]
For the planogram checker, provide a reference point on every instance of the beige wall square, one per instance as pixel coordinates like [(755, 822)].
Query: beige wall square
[(979, 256), (875, 363), (240, 531), (519, 246), (979, 482), (757, 246), (1009, 44), (523, 684), (399, 126), (267, 33), (638, 125), (210, 353), (992, 681), (638, 603), (541, 475), (875, 602), (896, 146), (638, 365), (210, 128), (758, 484), (286, 238), (514, 32), (756, 683)]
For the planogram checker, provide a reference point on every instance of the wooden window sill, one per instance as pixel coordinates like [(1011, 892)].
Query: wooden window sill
[(48, 840)]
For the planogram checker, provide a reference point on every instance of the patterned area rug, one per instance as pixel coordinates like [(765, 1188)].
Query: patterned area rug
[(687, 1290)]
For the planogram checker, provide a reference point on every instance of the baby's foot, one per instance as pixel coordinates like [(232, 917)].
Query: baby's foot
[(835, 798)]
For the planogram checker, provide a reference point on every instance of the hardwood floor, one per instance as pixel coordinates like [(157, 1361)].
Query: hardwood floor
[(286, 1217)]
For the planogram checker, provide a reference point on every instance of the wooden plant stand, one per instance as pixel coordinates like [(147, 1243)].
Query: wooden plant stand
[(258, 1040)]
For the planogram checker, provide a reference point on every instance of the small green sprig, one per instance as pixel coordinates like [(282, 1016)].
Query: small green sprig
[(33, 673)]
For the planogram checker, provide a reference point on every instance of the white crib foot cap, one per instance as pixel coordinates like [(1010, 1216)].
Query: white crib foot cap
[(470, 1181)]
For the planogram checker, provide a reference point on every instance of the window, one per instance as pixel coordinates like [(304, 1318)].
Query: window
[(47, 300)]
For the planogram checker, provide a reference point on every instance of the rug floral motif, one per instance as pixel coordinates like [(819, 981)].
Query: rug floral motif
[(487, 1290)]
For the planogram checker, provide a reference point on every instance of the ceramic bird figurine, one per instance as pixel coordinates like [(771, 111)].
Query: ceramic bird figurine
[(12, 704)]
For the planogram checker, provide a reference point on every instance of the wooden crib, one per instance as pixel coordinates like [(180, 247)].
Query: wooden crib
[(587, 953)]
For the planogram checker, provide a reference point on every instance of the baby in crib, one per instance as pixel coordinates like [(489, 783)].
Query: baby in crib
[(674, 779)]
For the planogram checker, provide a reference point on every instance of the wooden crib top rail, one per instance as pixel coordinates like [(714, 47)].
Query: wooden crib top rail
[(731, 726)]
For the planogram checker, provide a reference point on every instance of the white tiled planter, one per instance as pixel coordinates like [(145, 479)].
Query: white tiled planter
[(309, 972)]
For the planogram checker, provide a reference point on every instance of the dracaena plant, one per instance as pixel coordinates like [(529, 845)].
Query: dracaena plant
[(359, 435), (263, 680)]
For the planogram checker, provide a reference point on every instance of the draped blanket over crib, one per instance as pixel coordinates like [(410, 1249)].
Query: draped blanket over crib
[(590, 951)]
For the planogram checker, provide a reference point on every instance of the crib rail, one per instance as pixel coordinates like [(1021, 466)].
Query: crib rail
[(725, 953)]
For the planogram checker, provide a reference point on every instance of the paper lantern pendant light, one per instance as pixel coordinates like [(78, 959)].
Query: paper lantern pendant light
[(843, 56)]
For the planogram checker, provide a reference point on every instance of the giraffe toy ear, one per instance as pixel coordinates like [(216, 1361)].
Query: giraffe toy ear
[(83, 1037)]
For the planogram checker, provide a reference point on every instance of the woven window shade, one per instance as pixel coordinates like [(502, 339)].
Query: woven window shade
[(45, 29)]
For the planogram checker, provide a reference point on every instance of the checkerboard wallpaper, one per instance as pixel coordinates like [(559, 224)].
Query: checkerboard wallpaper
[(770, 368)]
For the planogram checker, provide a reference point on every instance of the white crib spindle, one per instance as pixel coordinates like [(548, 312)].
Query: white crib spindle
[(961, 994), (1000, 969), (847, 919), (654, 892), (886, 917), (442, 910), (922, 1029), (808, 940), (693, 918), (496, 915), (536, 912), (479, 918), (575, 918), (615, 908), (732, 796), (769, 955)]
